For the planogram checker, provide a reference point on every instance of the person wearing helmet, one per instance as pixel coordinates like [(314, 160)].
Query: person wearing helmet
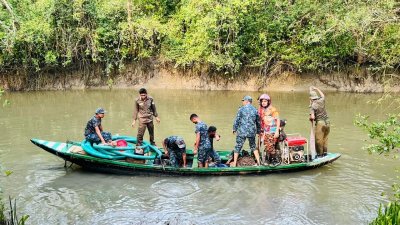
[(264, 101), (270, 124), (319, 116)]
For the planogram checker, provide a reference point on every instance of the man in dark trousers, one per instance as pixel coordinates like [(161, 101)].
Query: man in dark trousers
[(144, 111)]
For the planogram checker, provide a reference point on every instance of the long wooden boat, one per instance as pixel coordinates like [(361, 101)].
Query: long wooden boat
[(65, 151)]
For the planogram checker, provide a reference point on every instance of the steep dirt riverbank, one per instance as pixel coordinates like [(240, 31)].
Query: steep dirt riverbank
[(164, 77)]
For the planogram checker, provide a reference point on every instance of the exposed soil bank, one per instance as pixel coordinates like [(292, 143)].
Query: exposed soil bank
[(155, 76)]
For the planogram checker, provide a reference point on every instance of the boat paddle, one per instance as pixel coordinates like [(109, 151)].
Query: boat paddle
[(312, 142), (261, 153)]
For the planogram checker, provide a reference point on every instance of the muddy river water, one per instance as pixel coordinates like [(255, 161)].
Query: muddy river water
[(345, 192)]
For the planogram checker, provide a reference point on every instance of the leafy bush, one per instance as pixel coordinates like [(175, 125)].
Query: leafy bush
[(224, 35), (386, 133)]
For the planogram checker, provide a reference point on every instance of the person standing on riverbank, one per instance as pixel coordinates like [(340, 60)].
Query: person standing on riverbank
[(319, 116), (246, 125), (175, 148), (202, 145), (94, 130), (144, 111)]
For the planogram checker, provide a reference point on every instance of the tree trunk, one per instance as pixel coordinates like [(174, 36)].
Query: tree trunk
[(10, 11), (129, 12)]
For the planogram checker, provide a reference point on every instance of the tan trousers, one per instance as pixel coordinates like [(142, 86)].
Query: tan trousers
[(322, 129)]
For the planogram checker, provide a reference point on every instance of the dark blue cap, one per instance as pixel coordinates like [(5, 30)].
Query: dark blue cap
[(247, 98), (100, 111)]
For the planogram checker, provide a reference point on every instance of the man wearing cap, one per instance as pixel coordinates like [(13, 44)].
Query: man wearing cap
[(94, 130), (144, 111), (319, 115), (175, 148), (246, 125)]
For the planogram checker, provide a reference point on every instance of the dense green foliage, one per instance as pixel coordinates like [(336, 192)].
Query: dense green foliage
[(220, 35)]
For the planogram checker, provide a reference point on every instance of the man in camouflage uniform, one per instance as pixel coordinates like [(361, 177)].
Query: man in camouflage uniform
[(144, 111), (319, 115), (202, 145), (94, 130), (247, 125), (175, 148)]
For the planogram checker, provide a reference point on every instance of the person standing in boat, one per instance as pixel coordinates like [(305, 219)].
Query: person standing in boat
[(212, 133), (246, 125), (175, 148), (202, 145), (270, 125), (319, 116), (94, 130), (144, 111)]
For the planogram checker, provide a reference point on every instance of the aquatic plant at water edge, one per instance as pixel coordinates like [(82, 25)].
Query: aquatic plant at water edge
[(12, 218), (386, 133), (5, 102), (389, 213)]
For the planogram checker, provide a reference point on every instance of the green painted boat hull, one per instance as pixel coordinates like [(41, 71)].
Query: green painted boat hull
[(62, 150)]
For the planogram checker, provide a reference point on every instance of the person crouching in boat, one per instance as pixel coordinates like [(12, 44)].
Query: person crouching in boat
[(94, 130), (202, 146), (319, 115), (175, 148)]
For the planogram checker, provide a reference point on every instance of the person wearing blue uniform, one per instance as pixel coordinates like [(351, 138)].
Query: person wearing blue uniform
[(175, 148), (94, 130), (246, 126), (202, 145)]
